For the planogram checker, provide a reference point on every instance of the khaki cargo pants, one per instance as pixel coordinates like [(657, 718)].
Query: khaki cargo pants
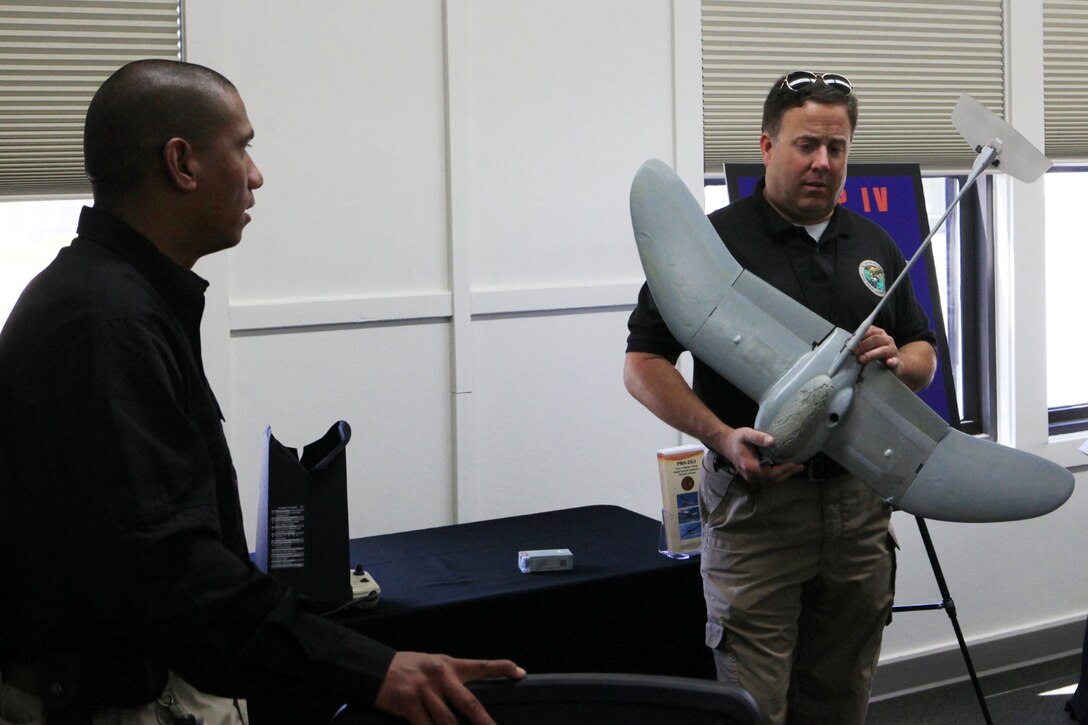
[(799, 581)]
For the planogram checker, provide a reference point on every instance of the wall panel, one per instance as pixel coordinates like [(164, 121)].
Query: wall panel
[(555, 426), (389, 382), (565, 103), (347, 102)]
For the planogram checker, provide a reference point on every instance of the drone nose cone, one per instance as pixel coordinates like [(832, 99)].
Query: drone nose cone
[(973, 480), (798, 424)]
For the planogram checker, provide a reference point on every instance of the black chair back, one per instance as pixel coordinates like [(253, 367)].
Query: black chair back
[(600, 699)]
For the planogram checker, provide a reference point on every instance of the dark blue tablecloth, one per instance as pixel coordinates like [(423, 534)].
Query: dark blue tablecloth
[(458, 590)]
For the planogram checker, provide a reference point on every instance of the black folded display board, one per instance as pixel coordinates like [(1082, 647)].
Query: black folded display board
[(302, 526)]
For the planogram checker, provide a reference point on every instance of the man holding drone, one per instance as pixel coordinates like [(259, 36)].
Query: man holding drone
[(798, 559)]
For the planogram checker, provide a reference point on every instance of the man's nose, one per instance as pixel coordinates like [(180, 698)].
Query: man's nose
[(821, 158), (256, 178)]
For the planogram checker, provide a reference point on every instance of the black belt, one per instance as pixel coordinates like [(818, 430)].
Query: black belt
[(817, 468), (822, 468)]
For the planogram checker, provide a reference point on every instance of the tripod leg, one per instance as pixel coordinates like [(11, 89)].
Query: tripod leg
[(1077, 707), (950, 607)]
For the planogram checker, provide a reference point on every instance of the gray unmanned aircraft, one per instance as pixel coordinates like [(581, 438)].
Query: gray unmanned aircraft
[(813, 395)]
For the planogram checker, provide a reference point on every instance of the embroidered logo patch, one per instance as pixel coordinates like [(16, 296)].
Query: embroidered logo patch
[(872, 274)]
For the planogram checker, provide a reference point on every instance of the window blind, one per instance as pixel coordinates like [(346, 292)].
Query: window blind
[(1065, 79), (909, 61), (53, 57)]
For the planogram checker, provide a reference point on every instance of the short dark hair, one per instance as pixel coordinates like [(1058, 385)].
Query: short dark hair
[(138, 109), (781, 99)]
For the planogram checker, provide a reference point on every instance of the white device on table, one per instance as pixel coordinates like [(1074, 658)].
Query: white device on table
[(365, 592), (545, 560)]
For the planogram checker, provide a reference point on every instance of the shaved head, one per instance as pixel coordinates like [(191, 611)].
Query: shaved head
[(138, 109)]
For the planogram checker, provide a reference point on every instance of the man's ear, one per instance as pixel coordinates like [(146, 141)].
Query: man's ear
[(766, 143), (180, 163)]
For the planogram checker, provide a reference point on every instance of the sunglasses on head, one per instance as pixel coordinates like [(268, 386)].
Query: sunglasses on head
[(799, 80)]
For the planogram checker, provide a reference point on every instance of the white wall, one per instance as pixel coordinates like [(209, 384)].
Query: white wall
[(441, 255)]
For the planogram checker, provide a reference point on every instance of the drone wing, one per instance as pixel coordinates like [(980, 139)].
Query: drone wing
[(897, 444), (778, 352), (723, 314)]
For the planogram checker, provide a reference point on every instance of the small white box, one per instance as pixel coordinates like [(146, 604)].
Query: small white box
[(545, 560)]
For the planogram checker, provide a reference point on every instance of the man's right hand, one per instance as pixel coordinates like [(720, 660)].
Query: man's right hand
[(742, 446), (656, 383), (421, 687)]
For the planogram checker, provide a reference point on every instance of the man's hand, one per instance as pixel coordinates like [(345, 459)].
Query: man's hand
[(915, 363), (742, 446), (878, 345), (418, 687)]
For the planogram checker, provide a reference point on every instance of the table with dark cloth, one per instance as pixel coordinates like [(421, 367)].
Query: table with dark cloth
[(458, 590)]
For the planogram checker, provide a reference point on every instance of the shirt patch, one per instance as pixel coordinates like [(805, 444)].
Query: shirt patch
[(872, 274)]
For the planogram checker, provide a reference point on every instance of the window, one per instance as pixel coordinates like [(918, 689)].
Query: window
[(1066, 318), (716, 194), (963, 261), (939, 192), (33, 233)]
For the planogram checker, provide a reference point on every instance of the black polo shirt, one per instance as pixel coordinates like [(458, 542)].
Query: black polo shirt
[(835, 278)]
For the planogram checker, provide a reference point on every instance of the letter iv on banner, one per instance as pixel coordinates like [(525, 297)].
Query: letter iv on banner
[(302, 524)]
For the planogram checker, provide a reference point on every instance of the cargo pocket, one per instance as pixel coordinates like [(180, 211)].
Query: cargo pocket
[(724, 659), (715, 632)]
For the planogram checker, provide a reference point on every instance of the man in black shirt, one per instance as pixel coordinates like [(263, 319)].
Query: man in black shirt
[(124, 568), (797, 560)]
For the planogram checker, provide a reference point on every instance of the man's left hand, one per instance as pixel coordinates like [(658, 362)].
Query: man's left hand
[(915, 363), (878, 345)]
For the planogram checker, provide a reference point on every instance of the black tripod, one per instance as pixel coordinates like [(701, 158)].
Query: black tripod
[(948, 606)]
